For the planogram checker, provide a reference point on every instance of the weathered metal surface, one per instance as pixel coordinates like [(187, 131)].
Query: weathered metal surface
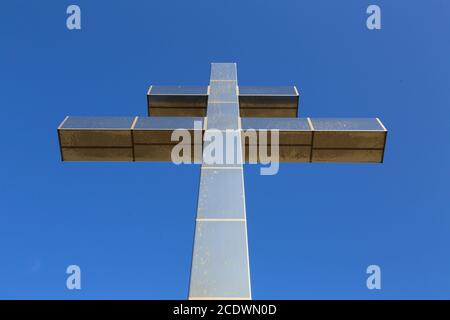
[(220, 266), (192, 101), (149, 138), (127, 138), (321, 140)]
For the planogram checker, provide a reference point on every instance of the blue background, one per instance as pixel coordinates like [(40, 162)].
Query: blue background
[(313, 228)]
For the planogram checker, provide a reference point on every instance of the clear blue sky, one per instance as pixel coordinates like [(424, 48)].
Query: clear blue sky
[(313, 228)]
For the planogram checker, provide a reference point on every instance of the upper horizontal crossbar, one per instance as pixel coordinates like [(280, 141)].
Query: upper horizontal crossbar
[(193, 100)]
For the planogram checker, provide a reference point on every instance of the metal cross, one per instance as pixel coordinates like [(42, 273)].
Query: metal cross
[(220, 263)]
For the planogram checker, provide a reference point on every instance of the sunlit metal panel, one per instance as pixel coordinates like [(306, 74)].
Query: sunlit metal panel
[(96, 138), (292, 131), (268, 101), (348, 140), (220, 266), (348, 133), (220, 194), (192, 100), (152, 137), (177, 100), (294, 134), (223, 72), (223, 116), (220, 260), (159, 130), (223, 92)]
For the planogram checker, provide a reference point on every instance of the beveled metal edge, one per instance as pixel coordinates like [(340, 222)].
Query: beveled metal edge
[(62, 123), (149, 93), (132, 138), (134, 123), (223, 102), (384, 146), (270, 95), (219, 298), (310, 123), (383, 129), (246, 227), (93, 129), (178, 94), (312, 138), (220, 219), (381, 124), (225, 167), (205, 120), (59, 138), (270, 108), (352, 131)]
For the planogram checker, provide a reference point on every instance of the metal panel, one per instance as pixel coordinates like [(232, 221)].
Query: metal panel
[(292, 131), (177, 100), (294, 139), (222, 148), (282, 124), (268, 101), (80, 122), (153, 137), (348, 140), (220, 261), (113, 138), (274, 111), (95, 138), (286, 153), (163, 152), (347, 155), (223, 91), (223, 116), (220, 194), (258, 91), (192, 100), (223, 72), (151, 130), (177, 112), (347, 124), (339, 140), (97, 154), (96, 132), (358, 133), (167, 123), (178, 90), (335, 140)]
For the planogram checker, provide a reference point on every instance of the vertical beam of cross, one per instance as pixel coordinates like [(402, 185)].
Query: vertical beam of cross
[(220, 265)]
